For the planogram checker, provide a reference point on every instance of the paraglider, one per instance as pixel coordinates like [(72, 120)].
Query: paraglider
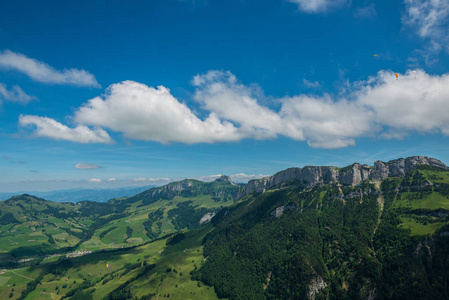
[(397, 75), (375, 55)]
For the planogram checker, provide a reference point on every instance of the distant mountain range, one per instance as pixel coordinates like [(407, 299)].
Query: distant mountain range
[(77, 195)]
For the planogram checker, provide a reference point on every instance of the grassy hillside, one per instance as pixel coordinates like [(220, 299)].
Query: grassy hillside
[(159, 269), (31, 228)]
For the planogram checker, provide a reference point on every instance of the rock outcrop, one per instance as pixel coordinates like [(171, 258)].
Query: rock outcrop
[(316, 285), (225, 178), (354, 174)]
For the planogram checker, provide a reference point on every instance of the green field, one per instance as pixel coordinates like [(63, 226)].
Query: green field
[(418, 228), (4, 280)]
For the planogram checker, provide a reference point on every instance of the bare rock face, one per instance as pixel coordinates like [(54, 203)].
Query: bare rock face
[(354, 174), (398, 167), (316, 285)]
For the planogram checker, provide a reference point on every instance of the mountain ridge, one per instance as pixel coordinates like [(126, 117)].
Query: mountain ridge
[(353, 175)]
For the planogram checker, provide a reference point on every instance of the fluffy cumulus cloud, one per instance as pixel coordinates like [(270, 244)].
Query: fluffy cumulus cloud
[(220, 93), (145, 113), (47, 127), (42, 72), (317, 6), (324, 123), (416, 101), (15, 94), (83, 166), (379, 106), (430, 18), (321, 121)]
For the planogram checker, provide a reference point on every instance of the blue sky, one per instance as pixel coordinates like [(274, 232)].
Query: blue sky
[(111, 93)]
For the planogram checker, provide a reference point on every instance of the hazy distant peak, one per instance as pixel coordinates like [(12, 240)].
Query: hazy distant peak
[(224, 178)]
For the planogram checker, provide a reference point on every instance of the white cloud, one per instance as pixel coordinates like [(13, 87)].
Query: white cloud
[(431, 20), (95, 180), (139, 179), (42, 72), (83, 166), (159, 179), (15, 94), (111, 179), (415, 102), (46, 127), (380, 106), (318, 6), (220, 93), (241, 177), (324, 123), (146, 113)]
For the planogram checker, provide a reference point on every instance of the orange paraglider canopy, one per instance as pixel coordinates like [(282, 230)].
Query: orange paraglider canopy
[(396, 75)]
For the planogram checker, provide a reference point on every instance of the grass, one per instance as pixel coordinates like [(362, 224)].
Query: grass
[(18, 282), (433, 201), (417, 228), (4, 280), (171, 276)]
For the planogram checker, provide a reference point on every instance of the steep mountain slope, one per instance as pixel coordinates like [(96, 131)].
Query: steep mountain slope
[(334, 241)]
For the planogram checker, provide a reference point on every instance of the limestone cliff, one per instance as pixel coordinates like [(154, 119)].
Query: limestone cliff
[(354, 174)]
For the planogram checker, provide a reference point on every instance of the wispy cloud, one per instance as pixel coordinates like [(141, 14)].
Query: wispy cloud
[(368, 11), (47, 127), (140, 179), (13, 161), (430, 19), (15, 94), (318, 6), (84, 166), (96, 180), (42, 72), (311, 85)]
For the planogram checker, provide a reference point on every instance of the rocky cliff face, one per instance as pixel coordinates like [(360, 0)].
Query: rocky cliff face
[(352, 175)]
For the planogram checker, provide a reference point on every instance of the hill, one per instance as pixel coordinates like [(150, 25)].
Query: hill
[(365, 232), (32, 226)]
